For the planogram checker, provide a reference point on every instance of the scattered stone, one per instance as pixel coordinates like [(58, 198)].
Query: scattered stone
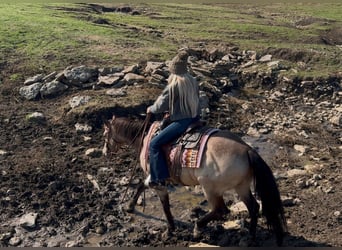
[(301, 183), (83, 128), (295, 172), (108, 80), (3, 152), (53, 88), (229, 225), (93, 152), (336, 120), (124, 181), (79, 75), (33, 79), (86, 138), (15, 241), (36, 117), (289, 201), (337, 213), (300, 148), (28, 221), (93, 181), (131, 78), (265, 58), (238, 208), (201, 244), (153, 66), (77, 101), (31, 92), (116, 92), (49, 77)]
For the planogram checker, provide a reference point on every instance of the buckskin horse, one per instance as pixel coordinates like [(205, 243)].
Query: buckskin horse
[(227, 163)]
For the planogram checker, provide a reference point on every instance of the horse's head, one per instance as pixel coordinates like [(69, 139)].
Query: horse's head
[(110, 144), (120, 131)]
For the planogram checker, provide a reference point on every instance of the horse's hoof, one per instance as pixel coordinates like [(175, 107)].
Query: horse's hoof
[(167, 234), (247, 241), (130, 209)]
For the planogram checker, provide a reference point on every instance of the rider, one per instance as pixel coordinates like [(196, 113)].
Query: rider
[(181, 99)]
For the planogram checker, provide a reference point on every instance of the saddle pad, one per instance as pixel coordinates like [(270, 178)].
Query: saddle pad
[(191, 157)]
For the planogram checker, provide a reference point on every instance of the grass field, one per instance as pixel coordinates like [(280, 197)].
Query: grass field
[(43, 37)]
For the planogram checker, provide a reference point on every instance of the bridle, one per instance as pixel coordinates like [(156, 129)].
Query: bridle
[(141, 132)]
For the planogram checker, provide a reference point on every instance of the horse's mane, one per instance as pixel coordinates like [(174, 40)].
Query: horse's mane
[(126, 127)]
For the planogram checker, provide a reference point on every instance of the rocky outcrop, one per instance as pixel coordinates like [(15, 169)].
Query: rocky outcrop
[(220, 70)]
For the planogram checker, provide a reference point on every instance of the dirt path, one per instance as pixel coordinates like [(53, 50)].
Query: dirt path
[(45, 174)]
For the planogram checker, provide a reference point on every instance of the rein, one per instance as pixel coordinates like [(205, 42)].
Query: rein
[(143, 130)]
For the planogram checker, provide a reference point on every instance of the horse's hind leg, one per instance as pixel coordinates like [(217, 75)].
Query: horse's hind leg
[(218, 209), (133, 202), (245, 194)]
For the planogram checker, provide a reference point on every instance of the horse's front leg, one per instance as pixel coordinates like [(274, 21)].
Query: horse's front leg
[(164, 198), (141, 187)]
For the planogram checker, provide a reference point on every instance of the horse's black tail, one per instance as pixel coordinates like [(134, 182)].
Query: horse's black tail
[(267, 189)]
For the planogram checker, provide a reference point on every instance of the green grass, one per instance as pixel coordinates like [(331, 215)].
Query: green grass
[(44, 37)]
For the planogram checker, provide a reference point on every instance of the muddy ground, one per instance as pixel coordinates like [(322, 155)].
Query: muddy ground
[(77, 200)]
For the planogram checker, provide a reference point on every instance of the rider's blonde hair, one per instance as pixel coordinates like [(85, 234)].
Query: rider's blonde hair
[(184, 87)]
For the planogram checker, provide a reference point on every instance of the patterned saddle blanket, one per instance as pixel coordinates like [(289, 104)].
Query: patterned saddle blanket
[(184, 152)]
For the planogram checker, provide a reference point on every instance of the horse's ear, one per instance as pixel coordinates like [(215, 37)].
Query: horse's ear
[(113, 117), (106, 124)]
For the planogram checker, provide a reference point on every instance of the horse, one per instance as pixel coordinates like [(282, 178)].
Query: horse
[(228, 163)]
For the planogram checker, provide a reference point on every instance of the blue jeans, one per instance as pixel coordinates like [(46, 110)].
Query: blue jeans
[(158, 163)]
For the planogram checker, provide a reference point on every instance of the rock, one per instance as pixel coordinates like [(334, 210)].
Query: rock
[(77, 101), (108, 80), (100, 229), (238, 208), (288, 201), (33, 79), (110, 70), (273, 64), (124, 181), (301, 183), (93, 152), (265, 58), (50, 77), (311, 168), (36, 117), (31, 92), (253, 132), (116, 92), (229, 225), (295, 172), (28, 221), (131, 69), (337, 213), (83, 128), (53, 88), (153, 66), (336, 120), (86, 138), (201, 244), (15, 241), (79, 75), (3, 152), (300, 148), (131, 78), (93, 181)]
